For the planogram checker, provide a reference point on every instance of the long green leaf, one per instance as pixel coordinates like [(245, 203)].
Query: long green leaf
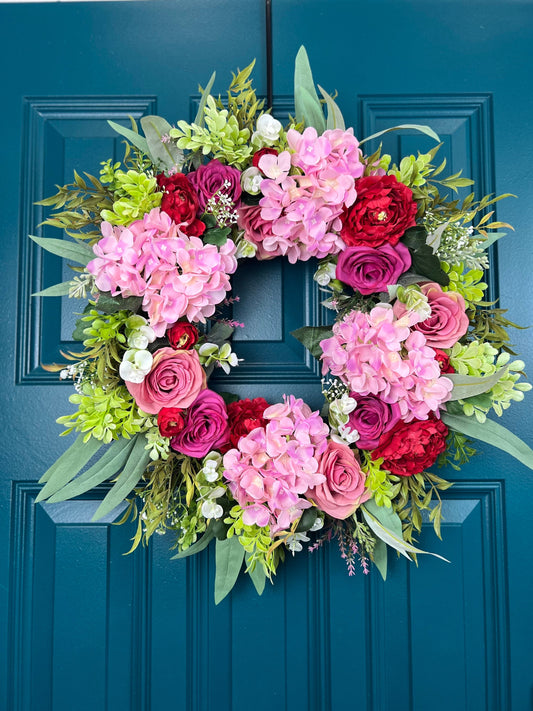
[(197, 547), (380, 557), (200, 118), (73, 251), (62, 289), (307, 105), (310, 337), (492, 433), (134, 138), (68, 465), (127, 480), (107, 466), (386, 524), (257, 576), (165, 155), (229, 557), (491, 238), (465, 386), (335, 118), (423, 129)]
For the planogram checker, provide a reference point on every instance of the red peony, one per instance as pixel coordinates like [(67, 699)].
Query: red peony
[(443, 359), (263, 152), (180, 202), (411, 447), (243, 417), (170, 421), (383, 211), (182, 336)]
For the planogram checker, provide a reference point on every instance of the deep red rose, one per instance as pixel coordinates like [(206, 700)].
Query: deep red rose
[(263, 152), (443, 360), (182, 336), (170, 421), (243, 417), (411, 447), (180, 202), (383, 210)]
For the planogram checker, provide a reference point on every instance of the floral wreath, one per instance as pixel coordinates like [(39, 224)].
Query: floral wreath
[(412, 364)]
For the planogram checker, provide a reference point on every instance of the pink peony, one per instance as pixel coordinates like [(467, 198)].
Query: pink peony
[(448, 321), (175, 380), (344, 488)]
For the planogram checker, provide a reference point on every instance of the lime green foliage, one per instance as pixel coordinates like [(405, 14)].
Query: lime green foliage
[(157, 445), (412, 171), (135, 194), (103, 414), (415, 494), (458, 451), (222, 138), (482, 359), (377, 480), (256, 542), (466, 282)]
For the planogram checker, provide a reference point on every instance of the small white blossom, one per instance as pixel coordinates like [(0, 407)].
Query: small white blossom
[(210, 509), (251, 180), (245, 249), (325, 273), (135, 366), (141, 337), (267, 130), (343, 405), (318, 524), (294, 542)]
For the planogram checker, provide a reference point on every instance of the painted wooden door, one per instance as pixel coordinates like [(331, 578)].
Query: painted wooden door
[(84, 627)]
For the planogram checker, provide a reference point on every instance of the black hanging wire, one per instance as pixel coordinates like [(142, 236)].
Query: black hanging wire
[(268, 39)]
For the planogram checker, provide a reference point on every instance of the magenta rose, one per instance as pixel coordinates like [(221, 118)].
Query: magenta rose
[(370, 270), (255, 228), (371, 418), (210, 178), (175, 380), (448, 321), (344, 488), (206, 426)]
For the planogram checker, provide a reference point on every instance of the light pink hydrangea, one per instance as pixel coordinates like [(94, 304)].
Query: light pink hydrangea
[(273, 467), (378, 354), (304, 209), (177, 275)]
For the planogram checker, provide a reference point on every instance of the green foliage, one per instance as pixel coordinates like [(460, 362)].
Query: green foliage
[(134, 194), (468, 283), (377, 480), (242, 101), (415, 494), (490, 326), (256, 541), (458, 451), (310, 337)]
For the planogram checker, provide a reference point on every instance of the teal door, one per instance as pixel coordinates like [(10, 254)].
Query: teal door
[(84, 627)]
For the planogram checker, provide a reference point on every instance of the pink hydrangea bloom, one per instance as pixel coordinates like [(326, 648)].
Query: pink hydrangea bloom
[(177, 275), (378, 354), (273, 467), (304, 209)]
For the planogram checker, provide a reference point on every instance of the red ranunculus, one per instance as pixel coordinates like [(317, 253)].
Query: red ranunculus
[(263, 152), (410, 447), (170, 421), (182, 336), (383, 211), (180, 202), (443, 360), (243, 417)]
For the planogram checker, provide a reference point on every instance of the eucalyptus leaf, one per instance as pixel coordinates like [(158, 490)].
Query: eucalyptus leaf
[(310, 337), (491, 238), (73, 251), (229, 557), (127, 479), (106, 467), (257, 576), (134, 138), (492, 433), (62, 289), (466, 386), (165, 154), (335, 118), (380, 557), (197, 547), (416, 127), (200, 117), (306, 102), (434, 238), (68, 465)]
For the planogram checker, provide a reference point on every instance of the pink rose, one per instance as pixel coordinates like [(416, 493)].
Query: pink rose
[(344, 488), (214, 177), (448, 321), (256, 229), (369, 270), (175, 380), (206, 426)]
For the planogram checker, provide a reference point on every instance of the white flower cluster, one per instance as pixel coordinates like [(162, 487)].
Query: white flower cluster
[(137, 361)]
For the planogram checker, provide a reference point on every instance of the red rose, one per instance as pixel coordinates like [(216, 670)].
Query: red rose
[(443, 360), (182, 336), (180, 202), (263, 152), (243, 417), (384, 209), (170, 421), (411, 447)]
